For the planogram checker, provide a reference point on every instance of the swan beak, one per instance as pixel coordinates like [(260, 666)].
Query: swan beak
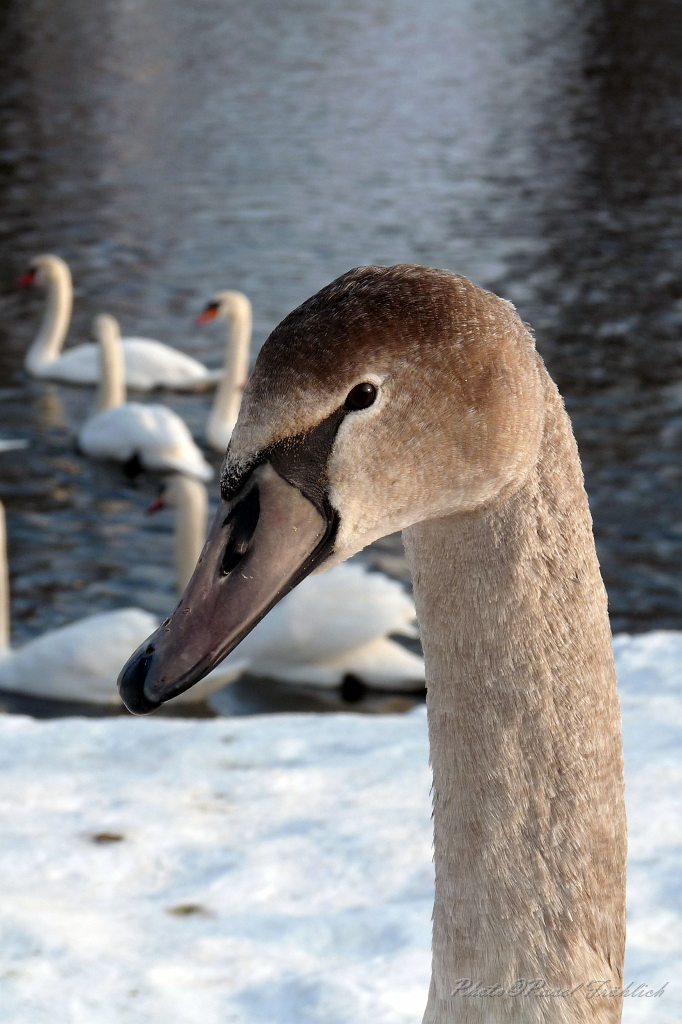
[(155, 506), (210, 313), (26, 279), (264, 540)]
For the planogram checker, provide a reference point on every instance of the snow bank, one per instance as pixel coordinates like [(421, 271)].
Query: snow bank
[(275, 869)]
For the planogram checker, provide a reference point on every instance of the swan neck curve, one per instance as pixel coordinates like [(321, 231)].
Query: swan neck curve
[(49, 340), (228, 397), (111, 390), (524, 724), (191, 514), (4, 585)]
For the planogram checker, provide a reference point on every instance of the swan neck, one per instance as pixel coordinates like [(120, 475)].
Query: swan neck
[(4, 584), (48, 342), (228, 397), (111, 390), (524, 724), (190, 528)]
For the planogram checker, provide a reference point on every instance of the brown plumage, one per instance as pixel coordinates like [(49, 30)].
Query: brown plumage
[(468, 449), (472, 453)]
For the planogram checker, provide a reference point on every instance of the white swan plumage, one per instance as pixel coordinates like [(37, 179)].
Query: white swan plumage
[(77, 662), (335, 624), (80, 661), (234, 308), (122, 430), (148, 363)]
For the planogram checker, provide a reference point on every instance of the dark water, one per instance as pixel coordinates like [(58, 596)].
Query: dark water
[(168, 149)]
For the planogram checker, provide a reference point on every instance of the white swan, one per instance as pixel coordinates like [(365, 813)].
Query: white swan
[(152, 434), (148, 364), (333, 625), (407, 398), (235, 309), (80, 662), (7, 445)]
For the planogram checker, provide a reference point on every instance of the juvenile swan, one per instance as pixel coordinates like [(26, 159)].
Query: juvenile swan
[(406, 398)]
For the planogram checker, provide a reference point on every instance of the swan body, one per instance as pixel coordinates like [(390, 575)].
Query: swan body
[(148, 364), (334, 624), (235, 309), (77, 662), (80, 662), (407, 398), (121, 430)]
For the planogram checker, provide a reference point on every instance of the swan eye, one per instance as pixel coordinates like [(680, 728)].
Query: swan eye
[(361, 396)]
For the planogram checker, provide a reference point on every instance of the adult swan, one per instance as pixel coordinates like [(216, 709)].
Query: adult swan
[(406, 398), (148, 364)]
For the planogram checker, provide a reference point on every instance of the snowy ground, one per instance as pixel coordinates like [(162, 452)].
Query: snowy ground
[(275, 869)]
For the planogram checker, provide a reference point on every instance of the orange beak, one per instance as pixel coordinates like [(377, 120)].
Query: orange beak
[(210, 313)]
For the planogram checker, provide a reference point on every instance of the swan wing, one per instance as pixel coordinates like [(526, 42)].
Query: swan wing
[(78, 365), (148, 364), (80, 661), (151, 364), (328, 615), (382, 664), (160, 438), (228, 670)]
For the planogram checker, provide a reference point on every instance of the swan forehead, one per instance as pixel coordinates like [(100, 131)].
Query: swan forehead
[(50, 264), (424, 331)]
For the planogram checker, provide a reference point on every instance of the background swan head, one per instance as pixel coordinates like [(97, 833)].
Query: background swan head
[(392, 396), (46, 269), (187, 496), (235, 309), (226, 305), (52, 273)]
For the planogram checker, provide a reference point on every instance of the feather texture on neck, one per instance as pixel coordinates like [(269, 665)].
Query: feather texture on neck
[(525, 747)]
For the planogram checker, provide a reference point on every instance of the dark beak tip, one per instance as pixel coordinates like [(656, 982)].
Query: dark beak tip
[(131, 685)]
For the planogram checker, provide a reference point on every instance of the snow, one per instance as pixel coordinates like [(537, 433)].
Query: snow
[(276, 869)]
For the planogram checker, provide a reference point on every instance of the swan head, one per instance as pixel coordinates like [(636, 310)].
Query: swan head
[(107, 325), (44, 270), (394, 395), (226, 305), (178, 491)]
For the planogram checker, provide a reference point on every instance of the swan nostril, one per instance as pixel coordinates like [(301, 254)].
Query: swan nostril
[(150, 649), (241, 522), (234, 554)]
